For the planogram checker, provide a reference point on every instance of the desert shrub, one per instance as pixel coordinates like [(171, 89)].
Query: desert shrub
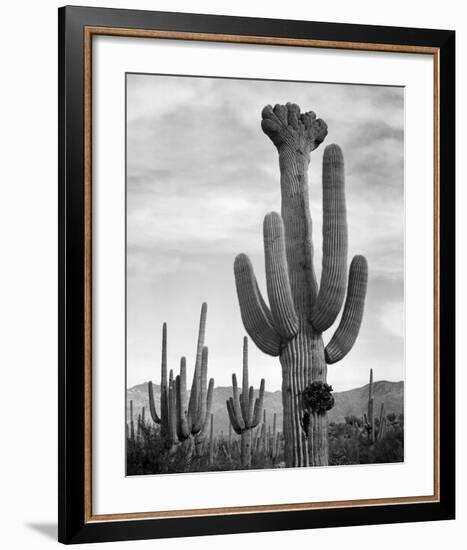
[(349, 443), (145, 455), (388, 449), (344, 443), (353, 420)]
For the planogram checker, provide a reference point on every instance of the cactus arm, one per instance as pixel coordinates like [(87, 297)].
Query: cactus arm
[(334, 266), (196, 384), (179, 409), (381, 423), (201, 413), (382, 429), (232, 417), (244, 402), (381, 413), (208, 403), (204, 377), (371, 418), (256, 317), (181, 399), (251, 408), (164, 387), (172, 416), (259, 405), (152, 405), (347, 331), (277, 277), (236, 403), (263, 437)]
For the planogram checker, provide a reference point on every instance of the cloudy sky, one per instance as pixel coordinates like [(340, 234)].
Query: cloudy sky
[(201, 175)]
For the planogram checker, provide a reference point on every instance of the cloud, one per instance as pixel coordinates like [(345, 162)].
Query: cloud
[(392, 317), (201, 175)]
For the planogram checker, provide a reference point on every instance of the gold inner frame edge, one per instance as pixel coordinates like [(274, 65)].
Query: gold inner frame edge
[(89, 31)]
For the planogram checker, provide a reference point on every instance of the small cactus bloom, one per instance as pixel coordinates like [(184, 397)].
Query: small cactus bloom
[(299, 309)]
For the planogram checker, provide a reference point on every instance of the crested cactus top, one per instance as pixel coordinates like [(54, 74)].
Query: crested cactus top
[(286, 125), (296, 301)]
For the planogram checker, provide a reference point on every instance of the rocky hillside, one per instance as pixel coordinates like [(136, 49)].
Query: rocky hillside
[(351, 402)]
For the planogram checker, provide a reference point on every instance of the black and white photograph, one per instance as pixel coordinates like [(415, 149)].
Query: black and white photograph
[(264, 274)]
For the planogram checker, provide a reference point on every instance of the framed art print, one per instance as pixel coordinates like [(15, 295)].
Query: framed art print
[(256, 274)]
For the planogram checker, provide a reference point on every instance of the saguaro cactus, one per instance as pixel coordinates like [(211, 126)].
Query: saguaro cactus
[(179, 420), (211, 440), (299, 312), (229, 443), (244, 410), (369, 416), (274, 440), (193, 414), (165, 420), (382, 423), (132, 424)]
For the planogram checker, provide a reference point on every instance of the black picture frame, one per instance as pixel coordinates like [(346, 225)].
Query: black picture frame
[(74, 526)]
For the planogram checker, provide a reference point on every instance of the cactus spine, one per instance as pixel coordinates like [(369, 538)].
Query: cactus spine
[(244, 410), (299, 312)]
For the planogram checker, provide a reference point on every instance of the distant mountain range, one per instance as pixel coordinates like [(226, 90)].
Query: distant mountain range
[(350, 402)]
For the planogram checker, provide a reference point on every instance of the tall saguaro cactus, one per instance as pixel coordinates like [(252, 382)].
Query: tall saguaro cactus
[(244, 410), (369, 416), (193, 414), (166, 418), (182, 420), (299, 311)]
